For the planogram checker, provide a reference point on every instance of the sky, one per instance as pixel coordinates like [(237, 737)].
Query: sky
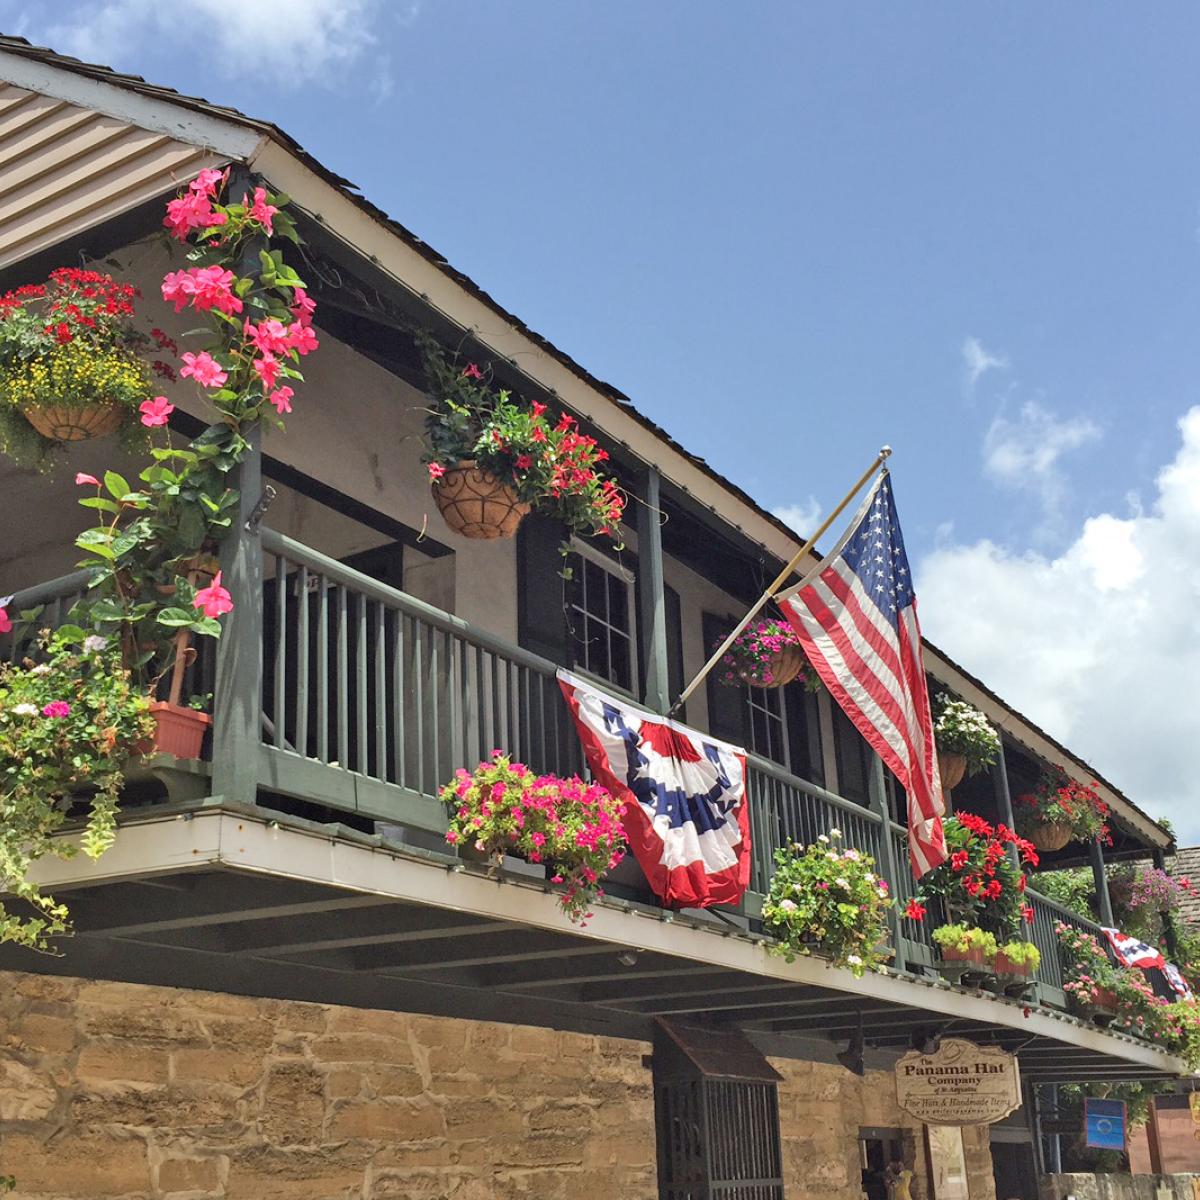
[(795, 232)]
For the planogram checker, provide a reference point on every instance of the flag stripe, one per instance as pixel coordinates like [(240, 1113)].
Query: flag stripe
[(856, 619)]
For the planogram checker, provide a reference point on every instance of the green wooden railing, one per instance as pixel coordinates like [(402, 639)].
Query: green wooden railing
[(371, 698)]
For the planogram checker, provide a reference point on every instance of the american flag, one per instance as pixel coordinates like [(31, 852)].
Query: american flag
[(856, 616), (1132, 952)]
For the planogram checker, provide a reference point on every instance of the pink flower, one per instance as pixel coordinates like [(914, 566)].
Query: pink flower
[(208, 180), (82, 477), (191, 211), (204, 369), (524, 462), (269, 336), (214, 599), (282, 399), (267, 369), (303, 306), (471, 371), (436, 470), (56, 708), (260, 210), (204, 287), (155, 412), (5, 621), (301, 338)]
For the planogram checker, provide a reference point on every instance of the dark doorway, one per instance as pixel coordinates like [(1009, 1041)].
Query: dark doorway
[(1013, 1170), (877, 1150)]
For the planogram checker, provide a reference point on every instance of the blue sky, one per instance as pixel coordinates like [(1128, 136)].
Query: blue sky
[(969, 231)]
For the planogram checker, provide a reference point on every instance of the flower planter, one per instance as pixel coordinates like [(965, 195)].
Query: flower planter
[(1101, 1010), (60, 423), (1049, 835), (476, 504), (178, 730), (783, 666), (968, 968), (952, 768), (1013, 978)]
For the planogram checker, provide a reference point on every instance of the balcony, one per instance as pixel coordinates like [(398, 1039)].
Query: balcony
[(357, 702)]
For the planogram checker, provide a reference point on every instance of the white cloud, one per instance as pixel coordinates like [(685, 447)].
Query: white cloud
[(1100, 644), (977, 360), (1025, 452), (302, 41), (802, 518)]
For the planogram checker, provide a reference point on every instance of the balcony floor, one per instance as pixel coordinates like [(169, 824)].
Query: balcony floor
[(252, 903)]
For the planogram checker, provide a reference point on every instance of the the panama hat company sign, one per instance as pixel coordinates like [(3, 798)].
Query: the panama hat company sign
[(960, 1083)]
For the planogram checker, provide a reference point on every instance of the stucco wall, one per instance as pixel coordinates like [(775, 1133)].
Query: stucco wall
[(121, 1090)]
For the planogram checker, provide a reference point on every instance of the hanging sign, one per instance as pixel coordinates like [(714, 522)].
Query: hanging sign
[(1104, 1122), (958, 1084)]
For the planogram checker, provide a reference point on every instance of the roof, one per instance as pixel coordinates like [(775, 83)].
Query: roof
[(1186, 862), (135, 83)]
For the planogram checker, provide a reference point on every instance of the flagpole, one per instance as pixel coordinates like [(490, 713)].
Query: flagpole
[(780, 580)]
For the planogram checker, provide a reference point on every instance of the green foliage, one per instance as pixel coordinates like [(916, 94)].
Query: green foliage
[(69, 725), (1074, 889), (965, 938), (960, 729), (1022, 954), (831, 898)]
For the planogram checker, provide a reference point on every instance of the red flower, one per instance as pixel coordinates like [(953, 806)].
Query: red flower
[(1027, 913), (993, 890), (959, 859), (471, 371), (524, 462), (915, 910)]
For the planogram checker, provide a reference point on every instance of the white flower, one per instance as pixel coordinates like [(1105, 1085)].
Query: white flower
[(882, 969), (24, 710), (40, 669), (831, 855), (869, 876), (788, 905), (883, 893), (94, 643), (842, 882), (854, 960), (852, 855), (835, 833), (822, 839)]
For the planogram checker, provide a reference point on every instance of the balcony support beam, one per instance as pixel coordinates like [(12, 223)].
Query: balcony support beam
[(1096, 854), (237, 701), (656, 692)]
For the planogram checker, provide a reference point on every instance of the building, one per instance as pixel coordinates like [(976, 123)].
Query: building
[(284, 983)]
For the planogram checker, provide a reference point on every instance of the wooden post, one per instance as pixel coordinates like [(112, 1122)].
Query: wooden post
[(237, 699), (1054, 1166), (890, 868), (656, 692), (1170, 941), (1096, 854), (1004, 799)]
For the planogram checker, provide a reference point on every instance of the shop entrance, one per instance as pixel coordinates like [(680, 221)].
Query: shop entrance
[(1013, 1170)]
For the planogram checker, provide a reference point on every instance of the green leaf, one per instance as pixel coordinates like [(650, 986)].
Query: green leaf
[(116, 484), (109, 506), (175, 618)]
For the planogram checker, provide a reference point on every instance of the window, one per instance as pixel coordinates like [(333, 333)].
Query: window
[(768, 724), (600, 607), (853, 759)]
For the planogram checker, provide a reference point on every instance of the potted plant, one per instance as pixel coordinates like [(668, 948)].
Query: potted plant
[(966, 953), (1091, 981), (491, 459), (69, 725), (828, 900), (766, 654), (1061, 810), (978, 883), (574, 828), (1015, 965), (966, 741), (71, 364)]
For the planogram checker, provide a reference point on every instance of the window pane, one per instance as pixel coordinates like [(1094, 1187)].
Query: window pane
[(621, 673)]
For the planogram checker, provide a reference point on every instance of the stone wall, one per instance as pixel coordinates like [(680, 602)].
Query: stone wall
[(1119, 1187), (153, 1093), (821, 1109)]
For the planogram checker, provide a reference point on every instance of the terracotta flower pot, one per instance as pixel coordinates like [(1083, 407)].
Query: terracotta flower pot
[(1004, 965), (783, 666), (1049, 835), (178, 730), (60, 423), (952, 768), (476, 504)]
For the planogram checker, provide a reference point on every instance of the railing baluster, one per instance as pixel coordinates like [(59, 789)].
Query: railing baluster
[(360, 685), (343, 680), (279, 707), (435, 716), (399, 697), (419, 698), (381, 722), (323, 649), (303, 650)]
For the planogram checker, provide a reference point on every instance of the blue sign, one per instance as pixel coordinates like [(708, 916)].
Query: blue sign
[(1105, 1123)]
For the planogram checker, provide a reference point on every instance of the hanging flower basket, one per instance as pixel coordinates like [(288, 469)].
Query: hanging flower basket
[(178, 730), (952, 767), (778, 670), (474, 503), (62, 423), (1049, 835)]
